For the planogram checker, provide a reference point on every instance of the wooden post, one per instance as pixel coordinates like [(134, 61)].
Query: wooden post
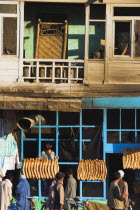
[(87, 16), (69, 71), (21, 46), (65, 39), (108, 38), (53, 72), (37, 71), (37, 38)]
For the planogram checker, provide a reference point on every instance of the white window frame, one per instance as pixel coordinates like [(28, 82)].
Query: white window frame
[(2, 15), (130, 19), (96, 21)]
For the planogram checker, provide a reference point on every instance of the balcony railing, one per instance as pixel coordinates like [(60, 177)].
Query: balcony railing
[(53, 71)]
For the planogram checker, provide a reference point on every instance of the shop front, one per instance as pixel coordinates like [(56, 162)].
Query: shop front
[(102, 130)]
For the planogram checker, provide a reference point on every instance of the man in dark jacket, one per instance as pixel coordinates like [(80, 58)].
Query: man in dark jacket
[(115, 199)]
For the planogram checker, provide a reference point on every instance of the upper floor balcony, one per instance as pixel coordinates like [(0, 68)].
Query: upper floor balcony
[(69, 43)]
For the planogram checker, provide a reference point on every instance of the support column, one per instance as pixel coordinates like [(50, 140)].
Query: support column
[(21, 41)]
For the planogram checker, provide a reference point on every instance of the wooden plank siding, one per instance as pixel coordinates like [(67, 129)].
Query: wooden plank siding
[(124, 72), (9, 70), (95, 71)]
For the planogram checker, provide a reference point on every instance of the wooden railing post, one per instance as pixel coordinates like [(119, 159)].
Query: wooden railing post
[(53, 71), (37, 71), (69, 70)]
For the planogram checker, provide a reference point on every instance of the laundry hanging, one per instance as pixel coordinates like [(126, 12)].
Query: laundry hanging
[(10, 163), (8, 145)]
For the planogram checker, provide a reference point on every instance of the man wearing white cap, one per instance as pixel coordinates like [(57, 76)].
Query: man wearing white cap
[(123, 189)]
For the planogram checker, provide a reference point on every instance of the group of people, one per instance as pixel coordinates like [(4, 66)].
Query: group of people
[(22, 190), (118, 192), (57, 198)]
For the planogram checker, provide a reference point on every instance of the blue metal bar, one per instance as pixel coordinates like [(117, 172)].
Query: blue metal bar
[(68, 163), (47, 139), (22, 145), (85, 198), (39, 153), (123, 129), (104, 136), (120, 131), (135, 126), (30, 139), (80, 147), (57, 133), (92, 198), (92, 181), (65, 126), (104, 133), (76, 126)]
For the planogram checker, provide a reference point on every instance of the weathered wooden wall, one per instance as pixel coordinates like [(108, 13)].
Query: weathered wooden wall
[(122, 72), (9, 70), (95, 72)]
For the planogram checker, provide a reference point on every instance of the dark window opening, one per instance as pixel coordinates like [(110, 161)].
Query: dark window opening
[(128, 137), (92, 117), (98, 12), (113, 119), (9, 36), (92, 189), (122, 38), (68, 118), (127, 11), (97, 40), (113, 137), (30, 149), (128, 119)]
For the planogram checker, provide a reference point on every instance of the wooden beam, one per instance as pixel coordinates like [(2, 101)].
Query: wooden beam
[(121, 1), (39, 91), (58, 1), (26, 103)]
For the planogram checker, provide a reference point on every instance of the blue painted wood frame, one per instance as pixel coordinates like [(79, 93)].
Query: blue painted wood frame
[(57, 126)]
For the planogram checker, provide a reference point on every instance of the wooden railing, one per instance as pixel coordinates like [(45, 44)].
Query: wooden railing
[(54, 71)]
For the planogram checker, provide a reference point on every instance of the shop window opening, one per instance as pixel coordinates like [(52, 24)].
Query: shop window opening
[(73, 136)]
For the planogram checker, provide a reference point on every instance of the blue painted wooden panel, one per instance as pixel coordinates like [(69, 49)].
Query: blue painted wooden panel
[(112, 103)]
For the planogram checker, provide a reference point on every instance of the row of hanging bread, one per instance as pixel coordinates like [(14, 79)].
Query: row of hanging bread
[(40, 169), (92, 170), (131, 158)]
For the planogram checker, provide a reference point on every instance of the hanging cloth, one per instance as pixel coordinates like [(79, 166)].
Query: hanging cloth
[(8, 145), (1, 128), (9, 121)]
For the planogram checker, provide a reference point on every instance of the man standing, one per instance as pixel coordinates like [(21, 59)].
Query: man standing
[(59, 192), (7, 191), (48, 154), (71, 187), (115, 199), (123, 188)]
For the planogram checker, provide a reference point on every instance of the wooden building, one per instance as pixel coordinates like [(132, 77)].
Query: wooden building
[(77, 61)]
